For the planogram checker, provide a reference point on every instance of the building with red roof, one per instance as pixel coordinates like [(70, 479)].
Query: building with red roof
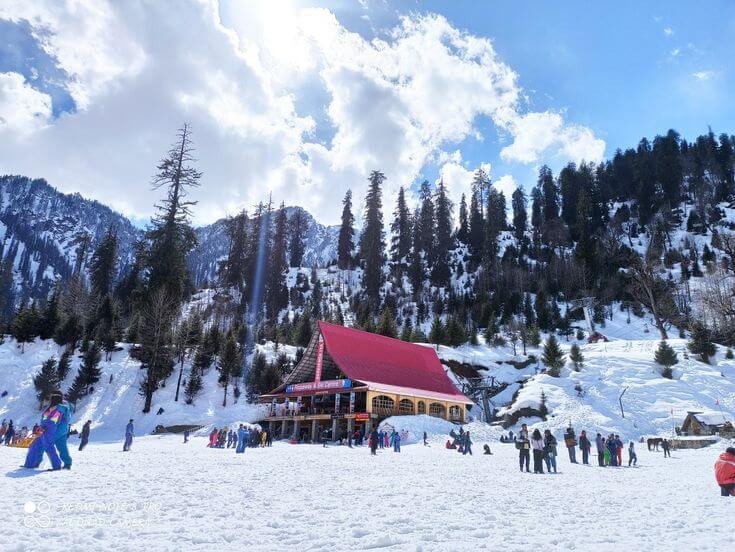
[(349, 377)]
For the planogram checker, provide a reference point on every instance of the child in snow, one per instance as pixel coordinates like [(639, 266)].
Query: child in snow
[(632, 457)]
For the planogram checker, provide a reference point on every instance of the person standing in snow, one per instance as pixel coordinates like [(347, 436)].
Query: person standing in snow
[(620, 446), (395, 440), (467, 442), (666, 445), (186, 436), (3, 429), (242, 436), (570, 439), (9, 433), (725, 472), (612, 446), (426, 442), (549, 451), (537, 445), (62, 430), (84, 435), (50, 421), (129, 432), (524, 448), (374, 442), (600, 442), (585, 446), (632, 456)]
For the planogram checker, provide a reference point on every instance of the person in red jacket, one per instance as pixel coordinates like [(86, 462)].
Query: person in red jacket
[(725, 472)]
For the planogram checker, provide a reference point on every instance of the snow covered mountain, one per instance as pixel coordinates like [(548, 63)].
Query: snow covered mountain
[(47, 234)]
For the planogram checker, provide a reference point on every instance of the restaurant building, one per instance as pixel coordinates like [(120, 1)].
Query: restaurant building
[(349, 379)]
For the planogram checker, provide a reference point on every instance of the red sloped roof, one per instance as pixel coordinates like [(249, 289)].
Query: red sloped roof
[(373, 358)]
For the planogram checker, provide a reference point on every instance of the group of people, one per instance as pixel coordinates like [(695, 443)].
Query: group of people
[(52, 437), (379, 438), (239, 438), (544, 448), (9, 435), (461, 442)]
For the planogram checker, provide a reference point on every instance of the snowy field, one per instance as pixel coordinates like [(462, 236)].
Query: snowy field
[(167, 495)]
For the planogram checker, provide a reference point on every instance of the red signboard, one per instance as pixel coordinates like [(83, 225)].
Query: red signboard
[(362, 416), (319, 359)]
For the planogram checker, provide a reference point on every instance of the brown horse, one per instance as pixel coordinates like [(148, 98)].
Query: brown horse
[(654, 442)]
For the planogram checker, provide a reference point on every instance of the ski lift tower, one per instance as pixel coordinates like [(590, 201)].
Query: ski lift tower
[(586, 304)]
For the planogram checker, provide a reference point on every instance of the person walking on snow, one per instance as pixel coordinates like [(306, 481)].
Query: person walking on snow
[(620, 446), (725, 472), (666, 445), (242, 436), (632, 456), (62, 430), (374, 442), (9, 433), (570, 439), (50, 420), (585, 446), (467, 442), (395, 440), (84, 435), (129, 432), (537, 445)]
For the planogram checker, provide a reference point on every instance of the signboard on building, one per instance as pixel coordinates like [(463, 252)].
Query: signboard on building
[(362, 416), (352, 402), (319, 385), (319, 359), (337, 399)]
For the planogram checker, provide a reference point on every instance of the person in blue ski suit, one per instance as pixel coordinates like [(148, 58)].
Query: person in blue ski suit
[(395, 440), (241, 439), (129, 432), (50, 421), (62, 432)]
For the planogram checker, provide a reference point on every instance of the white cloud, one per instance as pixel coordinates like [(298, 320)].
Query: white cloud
[(668, 31), (238, 72), (506, 184), (22, 108), (704, 75)]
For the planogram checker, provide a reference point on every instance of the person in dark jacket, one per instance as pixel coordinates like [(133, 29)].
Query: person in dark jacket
[(84, 435), (549, 451), (600, 442), (537, 445), (524, 449), (129, 433), (426, 442), (570, 440), (467, 443), (585, 446), (620, 446), (632, 456), (612, 446), (9, 433), (666, 445), (374, 442)]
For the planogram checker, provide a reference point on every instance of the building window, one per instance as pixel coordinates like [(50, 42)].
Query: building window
[(383, 405), (422, 407), (455, 414), (436, 409), (405, 407)]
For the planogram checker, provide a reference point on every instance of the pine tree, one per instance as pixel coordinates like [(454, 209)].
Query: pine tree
[(231, 271), (494, 225), (455, 334), (520, 215), (575, 355), (24, 327), (345, 244), (103, 265), (297, 237), (437, 334), (193, 385), (386, 324), (255, 376), (550, 194), (543, 409), (553, 357), (406, 330), (666, 357), (228, 365), (64, 364), (477, 224), (49, 317), (157, 355), (440, 272), (701, 342), (276, 289), (401, 230), (302, 333), (89, 373), (171, 236), (491, 330), (46, 381), (372, 244), (416, 269), (463, 232), (425, 224), (258, 255)]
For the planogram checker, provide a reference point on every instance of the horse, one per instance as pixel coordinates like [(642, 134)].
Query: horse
[(654, 442)]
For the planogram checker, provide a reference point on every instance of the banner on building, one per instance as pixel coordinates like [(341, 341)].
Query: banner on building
[(352, 402), (337, 398), (319, 359)]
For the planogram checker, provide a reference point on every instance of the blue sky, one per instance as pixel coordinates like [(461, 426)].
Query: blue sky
[(301, 99)]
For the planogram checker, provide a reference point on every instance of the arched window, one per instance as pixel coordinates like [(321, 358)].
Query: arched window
[(383, 405), (455, 414), (405, 407), (422, 407), (436, 409)]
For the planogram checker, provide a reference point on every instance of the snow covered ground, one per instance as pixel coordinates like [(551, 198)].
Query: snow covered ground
[(167, 495)]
